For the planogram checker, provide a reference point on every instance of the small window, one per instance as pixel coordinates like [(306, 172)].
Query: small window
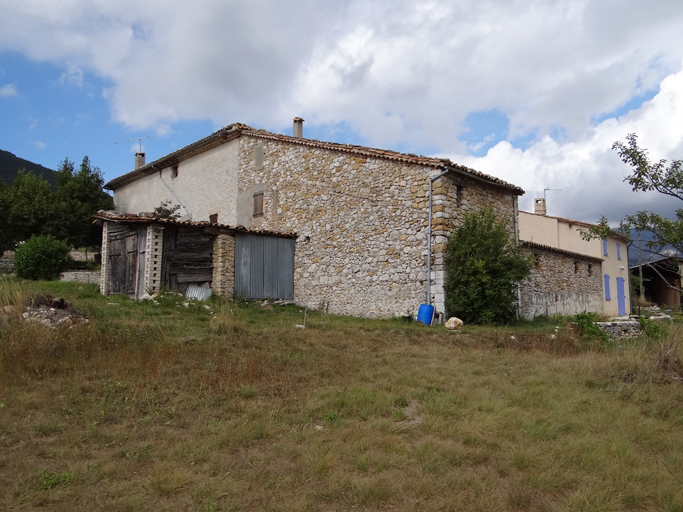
[(174, 171), (537, 260), (258, 204), (618, 251), (590, 269), (213, 218), (604, 247), (576, 267), (607, 292)]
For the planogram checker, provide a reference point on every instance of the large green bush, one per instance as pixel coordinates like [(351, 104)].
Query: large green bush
[(483, 268), (41, 257)]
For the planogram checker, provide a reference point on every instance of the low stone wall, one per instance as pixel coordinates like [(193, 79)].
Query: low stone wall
[(6, 265), (621, 330), (81, 277)]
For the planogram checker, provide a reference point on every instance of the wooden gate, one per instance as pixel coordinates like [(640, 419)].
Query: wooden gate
[(123, 259), (264, 267)]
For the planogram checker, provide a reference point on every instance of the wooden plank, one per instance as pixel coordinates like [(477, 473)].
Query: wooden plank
[(194, 278), (191, 269)]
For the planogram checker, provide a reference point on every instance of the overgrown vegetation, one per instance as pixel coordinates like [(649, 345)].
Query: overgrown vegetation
[(162, 407), (41, 257), (30, 207), (483, 268), (586, 323)]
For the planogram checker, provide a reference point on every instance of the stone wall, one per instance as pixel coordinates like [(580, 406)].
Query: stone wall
[(6, 265), (104, 267), (362, 223), (81, 277), (224, 265), (560, 284)]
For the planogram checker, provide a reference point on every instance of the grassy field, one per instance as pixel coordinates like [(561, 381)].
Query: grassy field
[(161, 407)]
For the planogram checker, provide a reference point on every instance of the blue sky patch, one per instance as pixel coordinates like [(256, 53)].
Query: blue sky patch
[(484, 130), (633, 104)]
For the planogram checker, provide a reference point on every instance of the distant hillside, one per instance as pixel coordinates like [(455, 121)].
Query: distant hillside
[(10, 164)]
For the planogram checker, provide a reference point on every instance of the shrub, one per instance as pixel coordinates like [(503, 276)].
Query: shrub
[(586, 322), (41, 257), (483, 268)]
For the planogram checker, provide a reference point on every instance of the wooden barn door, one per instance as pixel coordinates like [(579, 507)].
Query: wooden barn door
[(123, 260), (264, 267)]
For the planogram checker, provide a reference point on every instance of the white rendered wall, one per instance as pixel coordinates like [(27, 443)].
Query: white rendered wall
[(206, 184)]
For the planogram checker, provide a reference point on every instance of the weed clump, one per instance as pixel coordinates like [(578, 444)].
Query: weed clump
[(587, 324)]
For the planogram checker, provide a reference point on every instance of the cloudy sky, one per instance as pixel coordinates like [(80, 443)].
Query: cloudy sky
[(533, 92)]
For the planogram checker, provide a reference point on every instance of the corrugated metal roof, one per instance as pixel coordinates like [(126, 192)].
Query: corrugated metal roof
[(141, 219), (234, 131)]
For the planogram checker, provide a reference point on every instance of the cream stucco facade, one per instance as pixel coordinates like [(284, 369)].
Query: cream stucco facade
[(609, 256)]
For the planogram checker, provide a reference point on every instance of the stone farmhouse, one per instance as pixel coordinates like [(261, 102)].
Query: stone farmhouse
[(570, 274), (361, 215)]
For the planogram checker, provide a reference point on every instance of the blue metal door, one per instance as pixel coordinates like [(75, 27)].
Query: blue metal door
[(621, 296)]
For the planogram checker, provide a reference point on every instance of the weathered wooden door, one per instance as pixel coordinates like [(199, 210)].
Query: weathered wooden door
[(123, 262), (264, 267)]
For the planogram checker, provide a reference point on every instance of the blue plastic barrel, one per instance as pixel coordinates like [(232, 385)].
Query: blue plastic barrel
[(425, 314)]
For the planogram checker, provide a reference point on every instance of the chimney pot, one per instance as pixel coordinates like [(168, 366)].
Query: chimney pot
[(139, 160), (539, 206), (298, 130)]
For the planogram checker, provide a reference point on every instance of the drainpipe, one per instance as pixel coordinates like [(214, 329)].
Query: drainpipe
[(429, 240), (174, 194)]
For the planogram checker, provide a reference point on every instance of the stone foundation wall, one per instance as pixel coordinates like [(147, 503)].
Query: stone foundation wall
[(81, 277), (224, 265), (362, 223), (561, 285)]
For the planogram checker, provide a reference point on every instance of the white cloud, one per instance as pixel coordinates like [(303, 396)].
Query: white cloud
[(587, 170), (72, 76), (9, 90), (400, 73), (39, 144)]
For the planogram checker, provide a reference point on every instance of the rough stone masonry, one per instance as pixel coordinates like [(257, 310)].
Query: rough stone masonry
[(362, 222)]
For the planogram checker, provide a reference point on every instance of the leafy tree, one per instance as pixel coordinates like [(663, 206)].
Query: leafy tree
[(663, 177), (167, 210), (483, 269), (26, 207), (79, 195)]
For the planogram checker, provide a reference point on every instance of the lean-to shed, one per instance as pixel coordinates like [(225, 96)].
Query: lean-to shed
[(143, 254)]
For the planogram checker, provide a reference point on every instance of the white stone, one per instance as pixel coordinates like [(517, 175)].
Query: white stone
[(454, 324)]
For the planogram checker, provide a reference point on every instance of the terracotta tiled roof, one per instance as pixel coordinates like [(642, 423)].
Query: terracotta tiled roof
[(132, 218), (233, 131), (577, 255)]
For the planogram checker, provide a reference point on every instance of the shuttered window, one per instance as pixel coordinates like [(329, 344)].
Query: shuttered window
[(258, 204), (604, 247), (607, 294), (618, 251)]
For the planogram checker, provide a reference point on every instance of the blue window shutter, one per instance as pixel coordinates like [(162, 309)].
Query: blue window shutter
[(607, 294), (618, 251), (604, 247)]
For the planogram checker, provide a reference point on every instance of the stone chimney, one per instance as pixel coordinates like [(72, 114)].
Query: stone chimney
[(298, 130), (539, 206), (139, 160)]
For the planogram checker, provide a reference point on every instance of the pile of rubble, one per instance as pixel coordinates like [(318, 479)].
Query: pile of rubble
[(53, 312)]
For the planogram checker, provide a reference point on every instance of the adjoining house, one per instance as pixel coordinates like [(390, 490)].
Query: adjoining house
[(142, 254), (662, 279), (362, 215), (572, 275)]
